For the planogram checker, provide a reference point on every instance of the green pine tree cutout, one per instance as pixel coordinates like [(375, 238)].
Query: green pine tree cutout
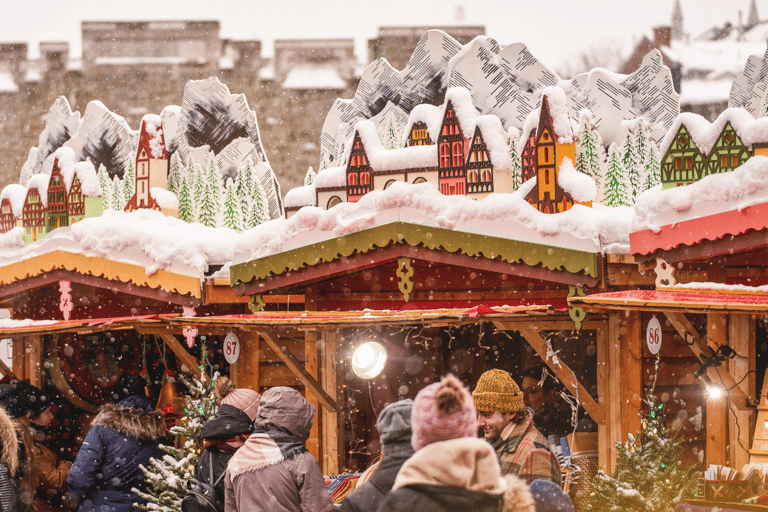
[(257, 213), (309, 178), (616, 187), (117, 194), (632, 160), (232, 212), (186, 212), (652, 167), (514, 156), (129, 184)]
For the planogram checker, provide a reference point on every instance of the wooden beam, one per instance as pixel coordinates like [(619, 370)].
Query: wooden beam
[(297, 368), (331, 436), (561, 370), (741, 338), (34, 360), (630, 383), (608, 379), (717, 408), (7, 372), (185, 357), (718, 374), (246, 371)]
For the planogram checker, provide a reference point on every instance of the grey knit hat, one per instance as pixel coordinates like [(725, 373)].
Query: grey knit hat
[(394, 426)]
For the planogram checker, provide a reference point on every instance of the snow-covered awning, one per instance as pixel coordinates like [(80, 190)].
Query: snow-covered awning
[(708, 298)]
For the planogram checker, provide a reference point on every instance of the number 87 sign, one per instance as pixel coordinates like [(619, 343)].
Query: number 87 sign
[(653, 336)]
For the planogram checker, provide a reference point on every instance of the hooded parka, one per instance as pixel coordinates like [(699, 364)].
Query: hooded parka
[(446, 476), (273, 471), (107, 466), (9, 463)]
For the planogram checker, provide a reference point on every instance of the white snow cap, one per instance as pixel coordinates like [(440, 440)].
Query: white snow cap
[(332, 177), (466, 113), (428, 114), (581, 187), (85, 172), (164, 198), (558, 110), (382, 159), (15, 194), (704, 134), (40, 182), (301, 196), (744, 186), (154, 126)]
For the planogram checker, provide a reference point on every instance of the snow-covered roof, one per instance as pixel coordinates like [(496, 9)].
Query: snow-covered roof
[(496, 141), (300, 196), (304, 77), (89, 180), (40, 182), (153, 124), (705, 92), (744, 186), (332, 177), (465, 110), (704, 134), (502, 215), (164, 198), (142, 237), (15, 194), (430, 115), (382, 159), (578, 185), (558, 111), (702, 57)]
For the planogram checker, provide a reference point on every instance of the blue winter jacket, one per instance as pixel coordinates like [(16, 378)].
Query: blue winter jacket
[(107, 466)]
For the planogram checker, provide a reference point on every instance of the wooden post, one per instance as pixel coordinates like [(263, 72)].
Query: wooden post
[(717, 408), (19, 356), (315, 442), (331, 434), (741, 338), (245, 371), (34, 360), (630, 380), (608, 380)]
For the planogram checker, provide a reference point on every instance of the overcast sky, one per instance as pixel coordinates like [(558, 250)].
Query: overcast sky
[(552, 29)]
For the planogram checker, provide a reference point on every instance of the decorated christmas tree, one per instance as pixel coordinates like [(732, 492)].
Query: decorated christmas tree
[(167, 477), (649, 474)]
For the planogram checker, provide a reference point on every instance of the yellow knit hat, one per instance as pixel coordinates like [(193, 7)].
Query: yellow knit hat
[(497, 391)]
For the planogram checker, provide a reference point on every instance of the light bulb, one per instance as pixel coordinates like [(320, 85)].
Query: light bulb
[(715, 391)]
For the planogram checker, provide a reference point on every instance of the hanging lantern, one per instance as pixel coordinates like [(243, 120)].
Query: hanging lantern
[(148, 389), (168, 393)]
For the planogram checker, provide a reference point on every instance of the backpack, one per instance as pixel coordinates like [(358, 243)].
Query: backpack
[(201, 496)]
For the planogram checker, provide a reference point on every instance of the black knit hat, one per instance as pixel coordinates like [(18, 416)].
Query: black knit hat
[(20, 398), (129, 384)]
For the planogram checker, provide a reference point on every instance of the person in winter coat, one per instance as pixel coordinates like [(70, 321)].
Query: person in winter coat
[(508, 426), (452, 469), (394, 426), (226, 432), (273, 471), (9, 463), (49, 472), (124, 434), (15, 399)]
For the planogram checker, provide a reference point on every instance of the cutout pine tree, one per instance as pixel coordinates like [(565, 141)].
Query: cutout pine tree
[(632, 161), (186, 212), (616, 186), (514, 155), (649, 475), (167, 478), (257, 213), (309, 178), (232, 213), (129, 184), (116, 202)]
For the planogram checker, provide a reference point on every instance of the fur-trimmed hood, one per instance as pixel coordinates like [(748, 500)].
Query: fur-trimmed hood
[(136, 423), (517, 497), (9, 451)]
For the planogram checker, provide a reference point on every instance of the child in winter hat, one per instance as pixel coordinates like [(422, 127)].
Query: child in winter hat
[(549, 497), (442, 411), (247, 400), (394, 426)]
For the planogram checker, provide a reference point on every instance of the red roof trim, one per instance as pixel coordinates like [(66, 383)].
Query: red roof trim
[(691, 232)]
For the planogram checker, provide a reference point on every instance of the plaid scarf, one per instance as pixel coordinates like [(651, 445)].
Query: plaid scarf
[(264, 448)]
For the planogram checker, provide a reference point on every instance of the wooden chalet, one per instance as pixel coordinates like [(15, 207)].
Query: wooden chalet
[(151, 165), (33, 213), (452, 173), (724, 254), (56, 209), (358, 171)]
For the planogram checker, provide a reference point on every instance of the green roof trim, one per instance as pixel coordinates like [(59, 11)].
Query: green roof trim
[(434, 238)]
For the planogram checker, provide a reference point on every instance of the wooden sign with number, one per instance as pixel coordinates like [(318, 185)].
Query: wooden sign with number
[(653, 336), (231, 348)]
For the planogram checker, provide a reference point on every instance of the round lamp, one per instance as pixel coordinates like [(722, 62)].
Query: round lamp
[(369, 359)]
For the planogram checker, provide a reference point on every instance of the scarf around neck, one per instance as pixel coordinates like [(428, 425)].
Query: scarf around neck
[(264, 448)]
